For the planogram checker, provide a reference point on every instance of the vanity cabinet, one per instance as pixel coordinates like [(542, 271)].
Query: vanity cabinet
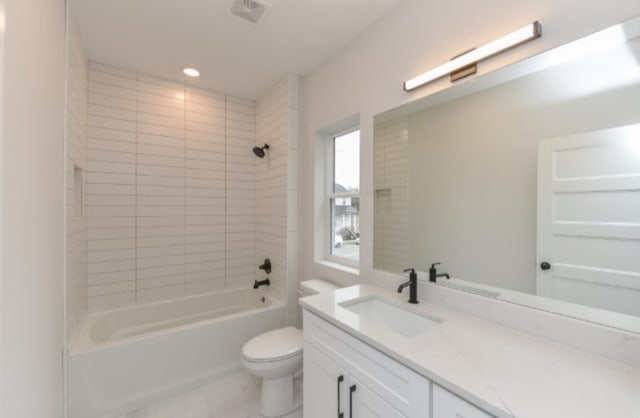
[(349, 397), (347, 378), (448, 405)]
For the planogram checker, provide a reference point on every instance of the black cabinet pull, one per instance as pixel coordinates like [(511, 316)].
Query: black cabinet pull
[(545, 265), (351, 390), (340, 379)]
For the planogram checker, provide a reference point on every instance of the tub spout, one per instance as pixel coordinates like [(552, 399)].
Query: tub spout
[(265, 282)]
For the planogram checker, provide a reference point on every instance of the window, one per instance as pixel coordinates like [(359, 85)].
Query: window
[(343, 196)]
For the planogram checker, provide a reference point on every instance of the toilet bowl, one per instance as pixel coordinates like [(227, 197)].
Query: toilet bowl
[(276, 356)]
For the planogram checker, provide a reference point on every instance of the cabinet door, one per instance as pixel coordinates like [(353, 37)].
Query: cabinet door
[(325, 386), (448, 405), (364, 403)]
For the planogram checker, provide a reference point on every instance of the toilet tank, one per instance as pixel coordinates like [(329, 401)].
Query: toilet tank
[(313, 287)]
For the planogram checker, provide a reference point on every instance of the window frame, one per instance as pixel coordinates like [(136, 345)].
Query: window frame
[(329, 195)]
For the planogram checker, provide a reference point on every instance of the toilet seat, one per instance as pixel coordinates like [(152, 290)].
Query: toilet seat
[(272, 346)]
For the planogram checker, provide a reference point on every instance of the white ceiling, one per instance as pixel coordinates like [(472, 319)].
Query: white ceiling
[(160, 37)]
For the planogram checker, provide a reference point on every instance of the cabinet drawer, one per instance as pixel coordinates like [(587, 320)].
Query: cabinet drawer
[(448, 405), (400, 386)]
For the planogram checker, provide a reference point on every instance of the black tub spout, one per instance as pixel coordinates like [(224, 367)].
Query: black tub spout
[(265, 282)]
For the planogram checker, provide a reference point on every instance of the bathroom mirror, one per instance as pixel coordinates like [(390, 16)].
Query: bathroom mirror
[(524, 183)]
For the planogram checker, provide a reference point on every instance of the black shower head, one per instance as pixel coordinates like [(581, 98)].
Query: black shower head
[(259, 151)]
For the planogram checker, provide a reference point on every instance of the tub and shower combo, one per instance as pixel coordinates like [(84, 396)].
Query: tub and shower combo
[(127, 357)]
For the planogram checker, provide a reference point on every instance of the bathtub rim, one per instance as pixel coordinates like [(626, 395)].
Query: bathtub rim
[(82, 344)]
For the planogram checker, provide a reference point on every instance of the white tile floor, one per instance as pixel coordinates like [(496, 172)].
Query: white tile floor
[(234, 396)]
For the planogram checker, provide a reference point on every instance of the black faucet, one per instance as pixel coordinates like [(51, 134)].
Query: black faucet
[(413, 286), (433, 274), (265, 282)]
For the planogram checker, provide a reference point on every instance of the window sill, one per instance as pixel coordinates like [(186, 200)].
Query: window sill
[(338, 266)]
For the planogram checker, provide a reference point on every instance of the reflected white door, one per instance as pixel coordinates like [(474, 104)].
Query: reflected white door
[(589, 219)]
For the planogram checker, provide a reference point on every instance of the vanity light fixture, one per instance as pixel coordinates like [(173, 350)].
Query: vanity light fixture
[(191, 72), (517, 37)]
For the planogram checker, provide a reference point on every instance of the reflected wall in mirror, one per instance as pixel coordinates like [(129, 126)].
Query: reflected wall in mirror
[(538, 162)]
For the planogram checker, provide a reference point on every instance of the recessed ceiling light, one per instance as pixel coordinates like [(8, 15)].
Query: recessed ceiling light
[(191, 72)]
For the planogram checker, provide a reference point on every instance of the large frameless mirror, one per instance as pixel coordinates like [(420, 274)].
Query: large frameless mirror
[(524, 183)]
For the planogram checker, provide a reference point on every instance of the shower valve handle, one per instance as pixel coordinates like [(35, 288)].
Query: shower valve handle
[(266, 266)]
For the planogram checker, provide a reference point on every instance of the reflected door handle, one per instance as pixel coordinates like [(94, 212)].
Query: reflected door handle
[(545, 265)]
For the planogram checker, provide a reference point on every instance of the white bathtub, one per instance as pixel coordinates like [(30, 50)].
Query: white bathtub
[(127, 357)]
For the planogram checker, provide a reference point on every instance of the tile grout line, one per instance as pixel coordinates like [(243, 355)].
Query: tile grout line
[(226, 174), (184, 242), (135, 218)]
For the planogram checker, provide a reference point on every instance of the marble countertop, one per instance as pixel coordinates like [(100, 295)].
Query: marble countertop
[(506, 372)]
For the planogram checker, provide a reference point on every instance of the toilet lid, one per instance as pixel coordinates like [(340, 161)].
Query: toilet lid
[(274, 345)]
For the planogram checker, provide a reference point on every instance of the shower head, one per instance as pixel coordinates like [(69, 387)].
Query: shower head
[(259, 151)]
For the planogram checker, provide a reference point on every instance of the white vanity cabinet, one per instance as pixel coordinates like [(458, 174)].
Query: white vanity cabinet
[(331, 391), (347, 378), (366, 337), (448, 405)]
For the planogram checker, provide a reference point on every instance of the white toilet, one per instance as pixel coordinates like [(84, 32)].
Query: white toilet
[(276, 357)]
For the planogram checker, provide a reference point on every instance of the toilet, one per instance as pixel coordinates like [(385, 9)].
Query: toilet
[(276, 357)]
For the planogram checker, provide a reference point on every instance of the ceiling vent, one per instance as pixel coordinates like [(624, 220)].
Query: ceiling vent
[(249, 11)]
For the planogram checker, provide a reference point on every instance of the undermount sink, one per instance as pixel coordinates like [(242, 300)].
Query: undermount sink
[(403, 320)]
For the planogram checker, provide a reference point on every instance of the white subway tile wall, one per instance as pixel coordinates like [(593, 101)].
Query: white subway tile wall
[(205, 170), (390, 183), (112, 186), (161, 205), (241, 192), (76, 169), (276, 188), (293, 249), (173, 189)]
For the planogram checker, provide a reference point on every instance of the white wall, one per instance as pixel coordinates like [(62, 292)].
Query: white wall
[(33, 209), (76, 158), (366, 78), (2, 53)]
